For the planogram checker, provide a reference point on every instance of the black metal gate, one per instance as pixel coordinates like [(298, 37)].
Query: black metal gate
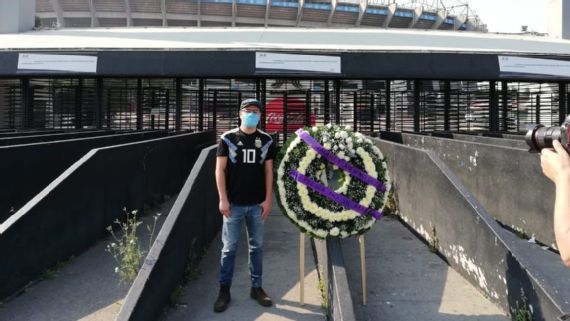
[(367, 106)]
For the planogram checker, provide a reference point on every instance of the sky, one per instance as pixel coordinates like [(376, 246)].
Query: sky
[(510, 15)]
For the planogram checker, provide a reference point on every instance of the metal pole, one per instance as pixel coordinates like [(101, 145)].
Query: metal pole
[(167, 110), (337, 98), (327, 102), (518, 109), (99, 103), (388, 104), (308, 108), (372, 107), (562, 96), (214, 110), (258, 89), (446, 105), (354, 111), (493, 107), (505, 104), (537, 110), (27, 101), (178, 114), (201, 104), (108, 109), (139, 105), (416, 105), (78, 103), (263, 99), (238, 101), (285, 111)]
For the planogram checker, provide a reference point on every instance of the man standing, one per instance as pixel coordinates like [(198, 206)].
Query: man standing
[(244, 177)]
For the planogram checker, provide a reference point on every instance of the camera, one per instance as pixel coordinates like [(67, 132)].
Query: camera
[(539, 136)]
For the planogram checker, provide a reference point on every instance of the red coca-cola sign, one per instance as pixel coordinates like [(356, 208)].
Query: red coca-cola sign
[(296, 112)]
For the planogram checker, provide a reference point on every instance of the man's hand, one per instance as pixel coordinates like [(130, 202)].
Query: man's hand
[(225, 208), (555, 163), (266, 206)]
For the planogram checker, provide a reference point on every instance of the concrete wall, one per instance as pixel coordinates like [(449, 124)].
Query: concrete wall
[(73, 212), (189, 228), (507, 142), (558, 18), (14, 133), (31, 139), (31, 167), (507, 181), (433, 202), (17, 15), (332, 270)]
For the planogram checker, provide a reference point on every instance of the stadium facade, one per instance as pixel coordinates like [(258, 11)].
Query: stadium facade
[(439, 15), (399, 79)]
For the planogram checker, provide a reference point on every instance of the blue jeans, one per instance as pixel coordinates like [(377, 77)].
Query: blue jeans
[(230, 237)]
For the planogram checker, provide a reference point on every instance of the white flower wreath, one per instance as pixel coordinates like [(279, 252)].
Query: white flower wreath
[(331, 181)]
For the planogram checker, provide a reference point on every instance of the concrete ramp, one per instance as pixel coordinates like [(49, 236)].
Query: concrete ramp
[(280, 281), (85, 288), (406, 281)]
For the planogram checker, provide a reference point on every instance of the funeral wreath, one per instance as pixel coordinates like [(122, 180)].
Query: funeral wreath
[(331, 181)]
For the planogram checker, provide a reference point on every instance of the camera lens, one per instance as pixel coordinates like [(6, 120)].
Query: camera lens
[(539, 137)]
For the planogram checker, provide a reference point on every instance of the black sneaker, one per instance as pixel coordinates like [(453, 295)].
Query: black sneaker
[(259, 295), (223, 299)]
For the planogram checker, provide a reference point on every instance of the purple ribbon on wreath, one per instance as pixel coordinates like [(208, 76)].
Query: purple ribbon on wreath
[(344, 165), (341, 163), (334, 196)]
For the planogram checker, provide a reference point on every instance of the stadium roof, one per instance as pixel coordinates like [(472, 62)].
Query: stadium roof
[(281, 39), (258, 52)]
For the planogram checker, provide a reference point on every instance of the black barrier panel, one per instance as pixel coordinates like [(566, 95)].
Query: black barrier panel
[(330, 261), (29, 133), (431, 198), (507, 142), (191, 225), (507, 181), (9, 141), (73, 212), (29, 168)]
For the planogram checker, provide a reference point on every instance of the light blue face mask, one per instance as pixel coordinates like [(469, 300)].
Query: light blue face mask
[(250, 120)]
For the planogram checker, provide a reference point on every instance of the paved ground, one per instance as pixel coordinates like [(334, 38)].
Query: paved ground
[(405, 281), (85, 289), (408, 282), (280, 281)]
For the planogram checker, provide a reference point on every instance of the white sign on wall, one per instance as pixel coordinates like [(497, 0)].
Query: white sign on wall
[(534, 66), (66, 63), (297, 63)]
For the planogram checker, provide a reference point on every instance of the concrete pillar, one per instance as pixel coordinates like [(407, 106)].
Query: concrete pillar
[(363, 6), (17, 16), (558, 18)]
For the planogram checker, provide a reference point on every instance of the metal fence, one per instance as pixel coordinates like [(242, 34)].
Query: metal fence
[(199, 104)]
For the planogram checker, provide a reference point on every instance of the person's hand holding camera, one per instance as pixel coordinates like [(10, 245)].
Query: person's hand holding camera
[(556, 166), (556, 163)]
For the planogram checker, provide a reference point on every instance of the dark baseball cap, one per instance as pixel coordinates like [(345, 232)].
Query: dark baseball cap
[(250, 102)]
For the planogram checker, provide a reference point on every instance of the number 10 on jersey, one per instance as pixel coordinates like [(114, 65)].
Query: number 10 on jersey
[(248, 156)]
